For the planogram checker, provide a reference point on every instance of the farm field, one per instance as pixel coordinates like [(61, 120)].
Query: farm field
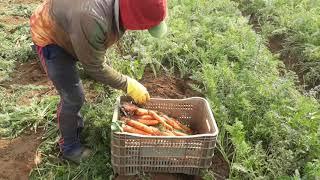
[(267, 108), (292, 28)]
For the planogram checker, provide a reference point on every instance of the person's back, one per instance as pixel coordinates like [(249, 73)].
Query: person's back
[(65, 32), (58, 21)]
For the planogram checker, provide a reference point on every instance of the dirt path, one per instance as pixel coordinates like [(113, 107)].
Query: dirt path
[(18, 156)]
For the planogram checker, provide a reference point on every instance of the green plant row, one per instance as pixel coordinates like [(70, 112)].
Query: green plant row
[(274, 129), (267, 128), (297, 22)]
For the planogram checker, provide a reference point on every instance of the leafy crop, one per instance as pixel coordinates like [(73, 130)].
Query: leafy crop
[(268, 129), (273, 128), (298, 22)]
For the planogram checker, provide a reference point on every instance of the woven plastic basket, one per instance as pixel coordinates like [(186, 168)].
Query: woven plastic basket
[(133, 154)]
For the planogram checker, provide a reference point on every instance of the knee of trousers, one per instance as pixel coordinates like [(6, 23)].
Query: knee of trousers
[(73, 99)]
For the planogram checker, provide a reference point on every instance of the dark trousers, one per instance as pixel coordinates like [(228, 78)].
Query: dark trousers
[(61, 69)]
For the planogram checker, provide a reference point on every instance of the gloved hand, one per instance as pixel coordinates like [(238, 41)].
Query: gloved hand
[(137, 91)]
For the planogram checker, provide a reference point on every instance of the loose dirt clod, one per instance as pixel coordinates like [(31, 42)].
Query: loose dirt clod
[(17, 156)]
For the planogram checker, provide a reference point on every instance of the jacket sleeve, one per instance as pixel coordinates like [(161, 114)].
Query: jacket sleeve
[(88, 40)]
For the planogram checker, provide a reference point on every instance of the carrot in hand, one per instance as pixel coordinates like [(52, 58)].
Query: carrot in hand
[(130, 129)]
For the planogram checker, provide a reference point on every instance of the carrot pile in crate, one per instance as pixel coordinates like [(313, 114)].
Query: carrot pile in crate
[(149, 122)]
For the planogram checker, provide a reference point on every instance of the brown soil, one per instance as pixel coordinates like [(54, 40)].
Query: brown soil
[(291, 63), (18, 156), (29, 73), (254, 21), (13, 20), (26, 1), (220, 166), (165, 86), (275, 45)]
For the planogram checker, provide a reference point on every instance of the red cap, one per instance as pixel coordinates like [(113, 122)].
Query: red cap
[(142, 14)]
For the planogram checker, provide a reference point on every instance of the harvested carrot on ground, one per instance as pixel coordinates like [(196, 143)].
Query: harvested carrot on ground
[(140, 126), (148, 122), (130, 129)]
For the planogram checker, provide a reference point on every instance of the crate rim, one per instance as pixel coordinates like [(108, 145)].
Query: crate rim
[(214, 134)]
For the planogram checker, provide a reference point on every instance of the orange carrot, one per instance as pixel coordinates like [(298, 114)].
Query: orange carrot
[(161, 120), (142, 127), (177, 133), (146, 117), (141, 111), (129, 107), (156, 131), (133, 109), (172, 123), (148, 122), (167, 133), (130, 129), (171, 133), (184, 127)]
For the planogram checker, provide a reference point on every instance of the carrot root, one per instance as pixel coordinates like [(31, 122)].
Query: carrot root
[(142, 127), (161, 120), (184, 127), (167, 133), (177, 133), (145, 117), (148, 122), (172, 123), (131, 129)]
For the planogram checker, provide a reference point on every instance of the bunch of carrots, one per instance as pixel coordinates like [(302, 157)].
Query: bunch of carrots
[(148, 122)]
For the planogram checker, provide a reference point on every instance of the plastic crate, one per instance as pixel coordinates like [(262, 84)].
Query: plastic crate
[(133, 154)]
